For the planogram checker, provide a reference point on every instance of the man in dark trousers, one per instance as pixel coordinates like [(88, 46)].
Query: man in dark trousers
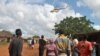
[(15, 47), (32, 44), (42, 44)]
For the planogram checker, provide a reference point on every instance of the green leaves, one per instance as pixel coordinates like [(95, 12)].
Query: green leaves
[(72, 25)]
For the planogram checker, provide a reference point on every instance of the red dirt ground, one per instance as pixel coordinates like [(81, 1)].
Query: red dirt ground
[(26, 51)]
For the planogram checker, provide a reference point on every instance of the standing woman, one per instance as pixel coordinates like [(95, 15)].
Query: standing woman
[(16, 45), (51, 49), (74, 49)]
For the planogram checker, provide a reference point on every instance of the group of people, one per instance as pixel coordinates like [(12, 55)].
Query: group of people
[(62, 46)]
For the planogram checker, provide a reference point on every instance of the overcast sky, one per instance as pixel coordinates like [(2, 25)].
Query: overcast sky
[(34, 16)]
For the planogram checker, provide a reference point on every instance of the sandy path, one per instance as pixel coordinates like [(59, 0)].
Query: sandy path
[(26, 51)]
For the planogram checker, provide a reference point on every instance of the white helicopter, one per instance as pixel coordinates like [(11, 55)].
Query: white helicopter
[(56, 9)]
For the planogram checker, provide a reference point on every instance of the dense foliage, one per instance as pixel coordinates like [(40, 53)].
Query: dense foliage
[(73, 25)]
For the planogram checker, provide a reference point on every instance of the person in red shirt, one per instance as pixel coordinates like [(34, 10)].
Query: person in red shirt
[(84, 47)]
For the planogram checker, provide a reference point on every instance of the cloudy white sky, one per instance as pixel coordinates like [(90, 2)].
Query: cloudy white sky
[(34, 16)]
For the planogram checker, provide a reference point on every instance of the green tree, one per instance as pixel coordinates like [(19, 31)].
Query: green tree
[(35, 36), (73, 25)]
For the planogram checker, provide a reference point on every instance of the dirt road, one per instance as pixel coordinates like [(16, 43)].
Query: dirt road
[(26, 51)]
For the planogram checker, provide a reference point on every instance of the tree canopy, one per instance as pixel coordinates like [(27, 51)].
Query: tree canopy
[(73, 25), (35, 36)]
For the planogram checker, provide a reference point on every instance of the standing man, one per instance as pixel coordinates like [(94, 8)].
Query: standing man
[(42, 44), (63, 44), (32, 44), (15, 47), (84, 47)]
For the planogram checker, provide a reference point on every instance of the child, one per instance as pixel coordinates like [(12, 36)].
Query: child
[(51, 49)]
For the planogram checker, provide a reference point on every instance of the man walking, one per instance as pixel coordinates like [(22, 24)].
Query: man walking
[(84, 47), (42, 44), (63, 44), (15, 47)]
